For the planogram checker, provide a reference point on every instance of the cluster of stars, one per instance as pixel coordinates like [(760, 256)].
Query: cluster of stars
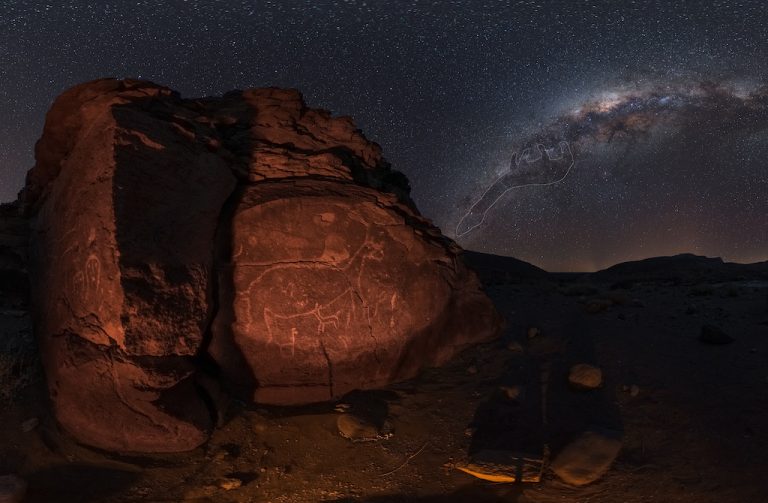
[(450, 89)]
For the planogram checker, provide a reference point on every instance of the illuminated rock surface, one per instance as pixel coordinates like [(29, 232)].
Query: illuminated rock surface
[(246, 234)]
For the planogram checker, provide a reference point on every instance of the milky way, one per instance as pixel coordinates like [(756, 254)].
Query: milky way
[(632, 115), (674, 167), (662, 102)]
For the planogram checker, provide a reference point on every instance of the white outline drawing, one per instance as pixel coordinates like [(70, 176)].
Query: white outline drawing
[(499, 187)]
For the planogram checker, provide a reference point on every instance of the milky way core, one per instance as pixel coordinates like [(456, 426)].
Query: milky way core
[(659, 169)]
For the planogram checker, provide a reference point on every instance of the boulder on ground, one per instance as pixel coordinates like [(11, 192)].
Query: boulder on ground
[(584, 376), (587, 458), (247, 232)]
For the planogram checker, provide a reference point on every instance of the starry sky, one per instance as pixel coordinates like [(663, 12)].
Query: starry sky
[(663, 104)]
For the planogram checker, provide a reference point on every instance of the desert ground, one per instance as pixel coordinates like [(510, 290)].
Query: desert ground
[(692, 416)]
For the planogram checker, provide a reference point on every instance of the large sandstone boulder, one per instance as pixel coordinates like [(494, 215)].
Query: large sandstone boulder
[(265, 242)]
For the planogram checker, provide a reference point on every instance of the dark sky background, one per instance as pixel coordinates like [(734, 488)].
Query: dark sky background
[(664, 104)]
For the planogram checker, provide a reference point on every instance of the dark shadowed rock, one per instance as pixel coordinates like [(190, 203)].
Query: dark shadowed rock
[(19, 365), (12, 489), (153, 216), (587, 458), (711, 334), (358, 429), (127, 205)]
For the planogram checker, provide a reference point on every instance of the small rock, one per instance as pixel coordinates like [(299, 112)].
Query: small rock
[(632, 390), (472, 370), (12, 489), (597, 306), (585, 376), (710, 334), (30, 424), (533, 332), (358, 429), (618, 298), (229, 484), (515, 347), (513, 392), (587, 458)]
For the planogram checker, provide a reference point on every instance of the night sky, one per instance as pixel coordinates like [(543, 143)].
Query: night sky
[(663, 106)]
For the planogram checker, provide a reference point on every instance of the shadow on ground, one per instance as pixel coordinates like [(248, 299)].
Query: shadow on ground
[(474, 494), (79, 483)]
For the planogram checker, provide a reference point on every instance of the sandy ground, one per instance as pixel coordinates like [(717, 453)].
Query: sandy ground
[(697, 430)]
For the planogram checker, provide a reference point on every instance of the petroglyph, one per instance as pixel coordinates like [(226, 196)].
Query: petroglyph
[(286, 332), (92, 275), (293, 315), (536, 166)]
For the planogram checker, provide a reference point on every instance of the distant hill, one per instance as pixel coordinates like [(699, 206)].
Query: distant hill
[(496, 267), (686, 268), (683, 267)]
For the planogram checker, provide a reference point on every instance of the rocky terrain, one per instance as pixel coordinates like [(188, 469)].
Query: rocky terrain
[(236, 300), (692, 414)]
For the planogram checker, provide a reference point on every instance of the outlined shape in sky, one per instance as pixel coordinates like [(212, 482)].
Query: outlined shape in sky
[(536, 166)]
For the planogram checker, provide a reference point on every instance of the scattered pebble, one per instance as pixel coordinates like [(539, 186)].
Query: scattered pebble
[(220, 455), (229, 484), (597, 306), (513, 392), (12, 489), (472, 370), (585, 376), (633, 390), (515, 347), (533, 332), (587, 458), (710, 334)]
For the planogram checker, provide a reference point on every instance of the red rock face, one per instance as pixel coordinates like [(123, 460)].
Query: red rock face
[(332, 289), (153, 215)]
